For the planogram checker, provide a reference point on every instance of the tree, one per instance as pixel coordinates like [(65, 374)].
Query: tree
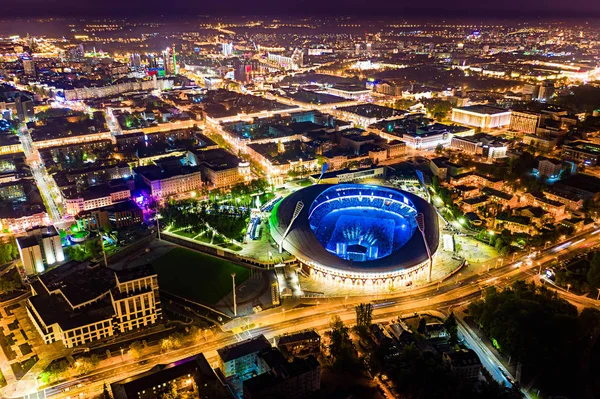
[(364, 315), (439, 149), (341, 347), (593, 274), (422, 328), (135, 349), (452, 328), (105, 393)]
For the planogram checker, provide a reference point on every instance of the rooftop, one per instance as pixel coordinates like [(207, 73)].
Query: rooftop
[(244, 348), (483, 109)]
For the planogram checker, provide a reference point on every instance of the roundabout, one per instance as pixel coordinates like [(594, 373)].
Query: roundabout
[(356, 235)]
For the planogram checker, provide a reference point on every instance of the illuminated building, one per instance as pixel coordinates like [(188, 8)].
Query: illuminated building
[(164, 182), (80, 303), (227, 49), (28, 66), (482, 116), (582, 152), (219, 167), (121, 214), (192, 374), (549, 167), (484, 145), (355, 235), (25, 109), (94, 197), (40, 248), (524, 122), (292, 62)]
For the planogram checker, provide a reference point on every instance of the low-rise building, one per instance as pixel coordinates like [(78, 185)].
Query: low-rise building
[(550, 168), (242, 359), (302, 343), (219, 167), (165, 182), (464, 363), (81, 303), (582, 152), (484, 145), (94, 197), (192, 374), (122, 214), (514, 224), (555, 208), (482, 116), (505, 199)]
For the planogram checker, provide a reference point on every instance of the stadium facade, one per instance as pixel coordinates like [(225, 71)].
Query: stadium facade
[(357, 235)]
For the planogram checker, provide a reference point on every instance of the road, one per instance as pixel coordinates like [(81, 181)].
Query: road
[(316, 313), (45, 183)]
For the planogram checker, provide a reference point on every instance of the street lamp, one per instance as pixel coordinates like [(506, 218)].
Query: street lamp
[(420, 219), (234, 303), (283, 311), (568, 287), (297, 210), (491, 234), (457, 276)]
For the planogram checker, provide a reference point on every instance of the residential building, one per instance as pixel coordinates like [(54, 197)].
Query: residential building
[(550, 168), (514, 224), (572, 202), (302, 343), (242, 358), (39, 248), (219, 167), (464, 363), (555, 208), (192, 374), (297, 379), (78, 303), (505, 199)]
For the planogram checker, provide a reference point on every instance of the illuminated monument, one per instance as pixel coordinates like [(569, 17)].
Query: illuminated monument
[(358, 235)]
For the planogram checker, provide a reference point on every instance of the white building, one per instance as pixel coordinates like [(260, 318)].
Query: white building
[(482, 116), (40, 248), (79, 304)]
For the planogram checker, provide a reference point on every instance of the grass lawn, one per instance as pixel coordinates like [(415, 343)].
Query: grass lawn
[(195, 276)]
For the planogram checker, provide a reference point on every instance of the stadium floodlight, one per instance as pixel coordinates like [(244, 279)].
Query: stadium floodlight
[(297, 210), (323, 170), (420, 219)]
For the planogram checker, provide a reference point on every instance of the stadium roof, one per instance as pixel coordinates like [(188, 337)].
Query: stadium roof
[(302, 242)]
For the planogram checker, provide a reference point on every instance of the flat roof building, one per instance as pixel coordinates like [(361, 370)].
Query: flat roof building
[(482, 116)]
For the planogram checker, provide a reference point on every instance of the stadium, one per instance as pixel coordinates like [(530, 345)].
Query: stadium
[(357, 235)]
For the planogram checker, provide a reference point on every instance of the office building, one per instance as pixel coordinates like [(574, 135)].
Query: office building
[(484, 145), (79, 303), (29, 67), (524, 122), (584, 152), (25, 110), (227, 49), (40, 248), (167, 181)]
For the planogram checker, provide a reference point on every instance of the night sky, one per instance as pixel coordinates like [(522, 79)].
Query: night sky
[(412, 8)]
